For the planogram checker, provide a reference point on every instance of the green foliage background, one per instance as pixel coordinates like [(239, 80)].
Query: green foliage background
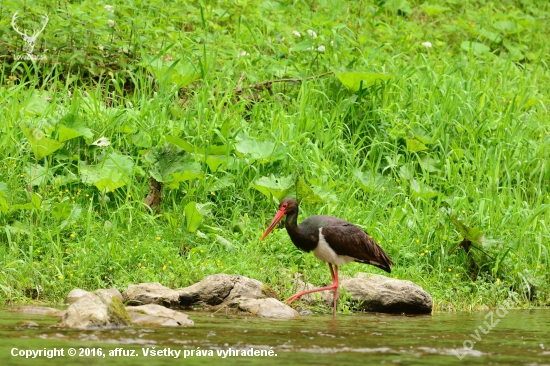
[(422, 145)]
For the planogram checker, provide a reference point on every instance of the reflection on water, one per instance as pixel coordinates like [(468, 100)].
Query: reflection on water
[(518, 337)]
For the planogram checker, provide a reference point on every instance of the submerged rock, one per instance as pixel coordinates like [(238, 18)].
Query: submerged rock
[(221, 289), (39, 310), (95, 311), (151, 293), (268, 308), (387, 295), (27, 324), (157, 315)]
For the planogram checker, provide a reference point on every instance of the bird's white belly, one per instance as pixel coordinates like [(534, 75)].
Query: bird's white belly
[(325, 253)]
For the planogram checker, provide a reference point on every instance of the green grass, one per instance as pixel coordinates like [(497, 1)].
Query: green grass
[(459, 129)]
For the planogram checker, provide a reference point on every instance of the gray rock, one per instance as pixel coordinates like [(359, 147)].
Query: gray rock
[(157, 315), (151, 293), (387, 295), (77, 293), (109, 293), (221, 289), (39, 310), (27, 324), (324, 296), (92, 311), (74, 295), (268, 308)]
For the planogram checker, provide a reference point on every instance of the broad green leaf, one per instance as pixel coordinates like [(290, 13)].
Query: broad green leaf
[(37, 174), (508, 26), (226, 243), (215, 161), (530, 102), (21, 206), (62, 210), (35, 204), (406, 172), (181, 143), (3, 189), (128, 127), (170, 166), (515, 50), (265, 151), (398, 5), (210, 150), (413, 145), (4, 208), (491, 36), (429, 164), (305, 193), (478, 49), (35, 105), (70, 126), (142, 139), (41, 145), (64, 179), (221, 183), (114, 172), (67, 214), (433, 9), (193, 218), (273, 187), (179, 73), (189, 170), (164, 162), (421, 190), (372, 182), (19, 228), (457, 153), (357, 80), (302, 46), (472, 234)]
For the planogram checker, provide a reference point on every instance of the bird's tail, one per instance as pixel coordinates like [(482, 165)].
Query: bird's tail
[(381, 259)]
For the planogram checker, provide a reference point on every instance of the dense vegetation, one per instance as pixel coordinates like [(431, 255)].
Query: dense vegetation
[(426, 123)]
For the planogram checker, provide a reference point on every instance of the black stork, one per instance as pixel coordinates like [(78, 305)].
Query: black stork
[(332, 240)]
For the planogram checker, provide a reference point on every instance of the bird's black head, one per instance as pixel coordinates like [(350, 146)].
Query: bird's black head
[(288, 205)]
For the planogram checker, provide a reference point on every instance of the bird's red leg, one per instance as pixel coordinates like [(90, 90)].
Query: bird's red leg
[(333, 286)]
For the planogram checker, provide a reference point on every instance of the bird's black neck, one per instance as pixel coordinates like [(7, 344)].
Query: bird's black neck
[(299, 238)]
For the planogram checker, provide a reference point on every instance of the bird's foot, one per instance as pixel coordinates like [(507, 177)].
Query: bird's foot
[(293, 298)]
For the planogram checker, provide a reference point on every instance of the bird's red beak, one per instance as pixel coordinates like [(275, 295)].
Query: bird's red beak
[(278, 216)]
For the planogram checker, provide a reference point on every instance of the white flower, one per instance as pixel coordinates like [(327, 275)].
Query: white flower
[(331, 43), (296, 33), (109, 8), (321, 48), (312, 33), (244, 54), (111, 23), (101, 48), (102, 141), (427, 44)]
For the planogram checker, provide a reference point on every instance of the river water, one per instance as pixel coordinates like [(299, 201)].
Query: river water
[(492, 337)]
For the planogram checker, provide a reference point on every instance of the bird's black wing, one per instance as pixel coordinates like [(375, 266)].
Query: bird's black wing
[(350, 240)]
